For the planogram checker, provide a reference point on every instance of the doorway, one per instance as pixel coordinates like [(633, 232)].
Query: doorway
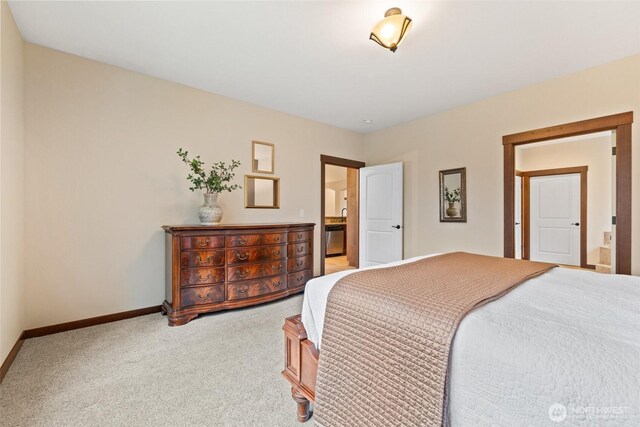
[(339, 214), (553, 219), (620, 127)]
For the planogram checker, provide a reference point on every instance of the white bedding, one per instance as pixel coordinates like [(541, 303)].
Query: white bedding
[(560, 349)]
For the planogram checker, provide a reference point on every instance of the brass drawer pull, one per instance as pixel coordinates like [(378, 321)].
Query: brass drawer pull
[(243, 291), (242, 257), (276, 267), (278, 284), (204, 279), (299, 236), (204, 296), (276, 239), (299, 278), (242, 241), (203, 244), (242, 272), (207, 261), (277, 252), (299, 263), (300, 248)]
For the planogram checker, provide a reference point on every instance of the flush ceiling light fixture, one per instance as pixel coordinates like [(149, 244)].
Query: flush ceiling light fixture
[(389, 32)]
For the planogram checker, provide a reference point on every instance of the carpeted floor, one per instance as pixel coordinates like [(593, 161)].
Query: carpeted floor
[(219, 370)]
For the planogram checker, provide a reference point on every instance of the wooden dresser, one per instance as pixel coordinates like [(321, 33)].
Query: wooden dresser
[(231, 266)]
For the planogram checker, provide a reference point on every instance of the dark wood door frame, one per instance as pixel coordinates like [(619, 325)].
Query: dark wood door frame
[(335, 161), (524, 216), (621, 124), (526, 202)]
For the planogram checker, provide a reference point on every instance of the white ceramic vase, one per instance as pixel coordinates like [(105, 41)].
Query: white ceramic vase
[(210, 212)]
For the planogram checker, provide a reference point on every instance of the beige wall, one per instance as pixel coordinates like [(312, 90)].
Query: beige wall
[(103, 177), (471, 136), (334, 206), (12, 295), (592, 152)]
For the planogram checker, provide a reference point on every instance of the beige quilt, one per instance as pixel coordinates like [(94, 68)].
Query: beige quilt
[(388, 333)]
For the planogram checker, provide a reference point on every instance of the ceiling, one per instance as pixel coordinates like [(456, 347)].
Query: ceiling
[(335, 173), (314, 59)]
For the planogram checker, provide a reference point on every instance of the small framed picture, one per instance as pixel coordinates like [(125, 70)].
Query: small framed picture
[(453, 195)]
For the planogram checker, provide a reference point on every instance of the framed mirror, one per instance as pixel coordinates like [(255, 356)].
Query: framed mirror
[(262, 157), (453, 195), (261, 192)]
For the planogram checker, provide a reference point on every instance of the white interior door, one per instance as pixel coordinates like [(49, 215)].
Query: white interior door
[(555, 219), (518, 215), (381, 203)]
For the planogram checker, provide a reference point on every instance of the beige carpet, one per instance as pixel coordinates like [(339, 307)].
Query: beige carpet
[(219, 370)]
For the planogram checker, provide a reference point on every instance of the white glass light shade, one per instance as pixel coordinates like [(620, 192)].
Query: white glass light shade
[(390, 32)]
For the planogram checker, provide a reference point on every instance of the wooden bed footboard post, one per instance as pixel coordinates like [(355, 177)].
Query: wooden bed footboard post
[(300, 365), (304, 412)]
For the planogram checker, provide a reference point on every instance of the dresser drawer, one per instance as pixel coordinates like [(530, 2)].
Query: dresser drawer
[(254, 288), (299, 249), (201, 276), (202, 242), (253, 254), (253, 271), (298, 279), (202, 295), (202, 259), (300, 263), (256, 239), (299, 236)]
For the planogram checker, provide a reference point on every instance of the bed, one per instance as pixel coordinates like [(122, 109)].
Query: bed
[(563, 346)]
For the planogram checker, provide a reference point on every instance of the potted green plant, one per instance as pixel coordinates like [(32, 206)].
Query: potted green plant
[(213, 183), (452, 198)]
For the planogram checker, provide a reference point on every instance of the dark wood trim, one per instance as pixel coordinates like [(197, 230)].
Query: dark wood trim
[(583, 217), (570, 129), (621, 123), (556, 171), (522, 215), (509, 206), (323, 233), (352, 243), (335, 161), (623, 200), (338, 161), (11, 357), (526, 216), (78, 324)]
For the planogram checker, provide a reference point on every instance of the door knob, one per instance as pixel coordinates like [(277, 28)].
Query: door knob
[(575, 223), (397, 227), (517, 223)]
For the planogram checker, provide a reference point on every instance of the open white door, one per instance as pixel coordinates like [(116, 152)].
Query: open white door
[(555, 219), (381, 203)]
